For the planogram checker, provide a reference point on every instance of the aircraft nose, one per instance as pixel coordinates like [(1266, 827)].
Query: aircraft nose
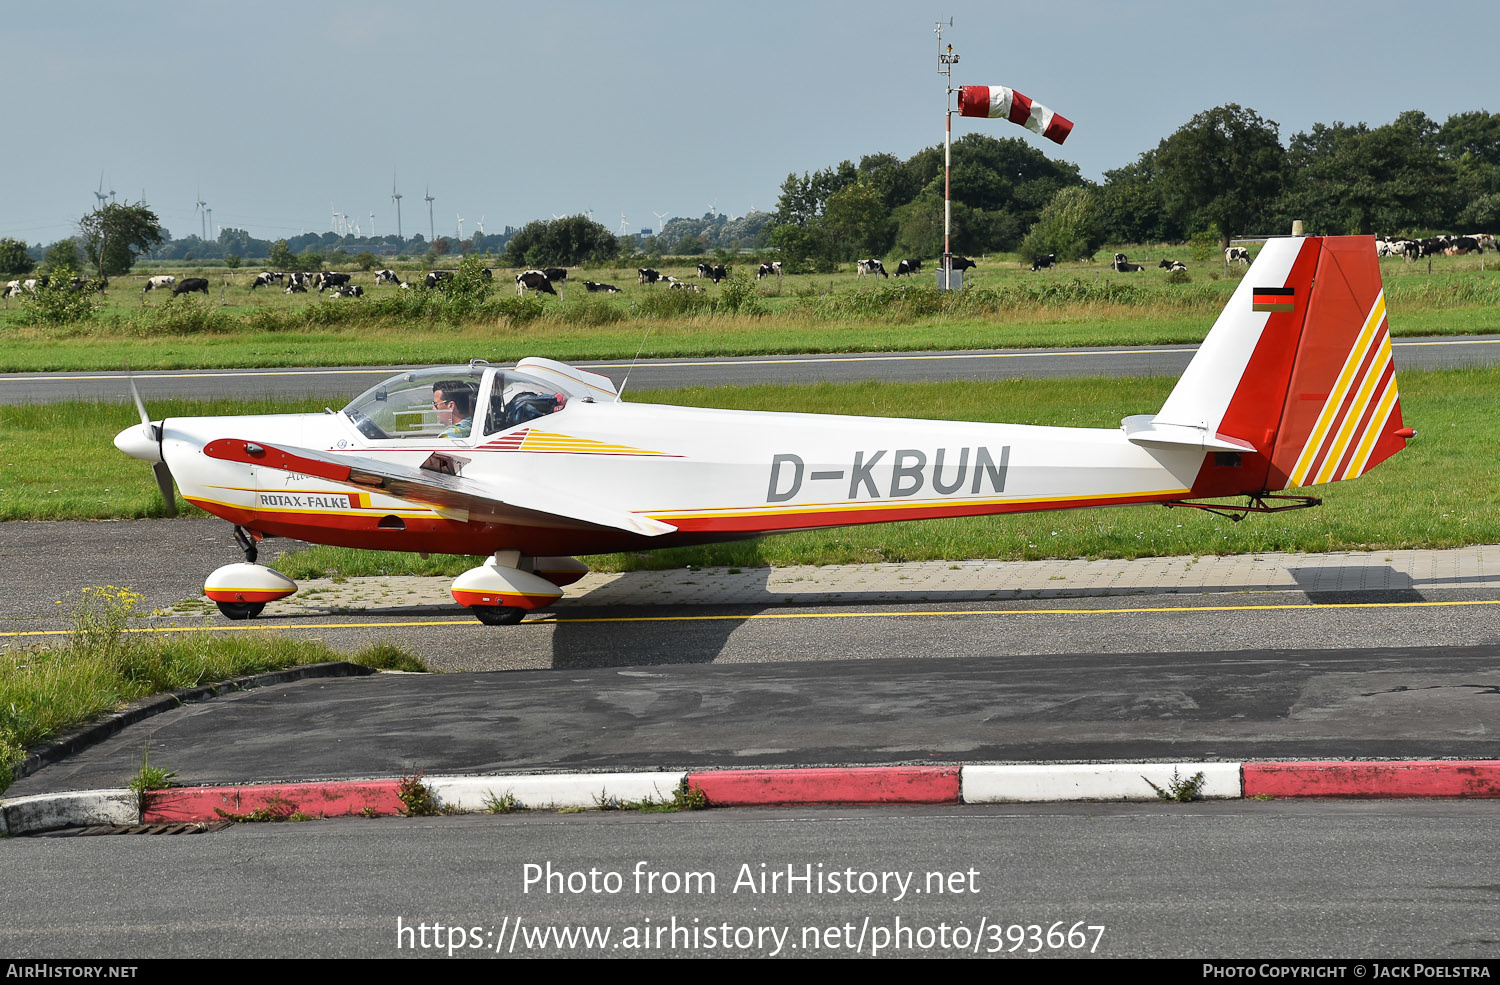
[(140, 441)]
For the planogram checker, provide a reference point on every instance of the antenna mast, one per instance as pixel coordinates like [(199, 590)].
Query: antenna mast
[(946, 60)]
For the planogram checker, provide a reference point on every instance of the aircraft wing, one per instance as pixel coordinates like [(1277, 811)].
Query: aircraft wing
[(499, 502)]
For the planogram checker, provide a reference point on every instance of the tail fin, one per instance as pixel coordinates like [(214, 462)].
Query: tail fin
[(1298, 368)]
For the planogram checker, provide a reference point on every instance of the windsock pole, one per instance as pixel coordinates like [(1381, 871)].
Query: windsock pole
[(946, 60)]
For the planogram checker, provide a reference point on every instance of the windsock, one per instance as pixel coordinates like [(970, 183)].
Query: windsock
[(998, 102)]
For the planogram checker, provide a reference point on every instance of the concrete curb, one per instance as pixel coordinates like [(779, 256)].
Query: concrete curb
[(854, 786)]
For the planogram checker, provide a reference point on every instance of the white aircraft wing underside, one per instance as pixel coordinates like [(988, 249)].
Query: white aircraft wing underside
[(498, 502)]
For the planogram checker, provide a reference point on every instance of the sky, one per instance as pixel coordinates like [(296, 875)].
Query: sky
[(278, 114)]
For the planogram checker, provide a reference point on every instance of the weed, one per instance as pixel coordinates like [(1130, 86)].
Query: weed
[(1180, 790), (1261, 796), (149, 778), (684, 798), (507, 804), (417, 798)]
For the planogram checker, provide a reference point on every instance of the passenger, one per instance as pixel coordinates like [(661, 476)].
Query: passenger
[(454, 402)]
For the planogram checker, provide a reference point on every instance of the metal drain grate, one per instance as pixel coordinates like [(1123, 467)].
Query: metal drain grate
[(136, 829)]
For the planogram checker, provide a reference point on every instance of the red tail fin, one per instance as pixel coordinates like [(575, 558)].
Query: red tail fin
[(1297, 370)]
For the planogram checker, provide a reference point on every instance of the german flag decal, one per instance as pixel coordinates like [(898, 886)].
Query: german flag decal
[(1273, 299)]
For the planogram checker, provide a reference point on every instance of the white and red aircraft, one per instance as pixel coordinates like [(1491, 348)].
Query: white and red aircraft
[(1294, 386)]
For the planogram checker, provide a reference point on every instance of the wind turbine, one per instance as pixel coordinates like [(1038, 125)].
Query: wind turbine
[(460, 227), (429, 199), (100, 193), (210, 220), (396, 197), (659, 217), (202, 219), (623, 226), (372, 225), (480, 225)]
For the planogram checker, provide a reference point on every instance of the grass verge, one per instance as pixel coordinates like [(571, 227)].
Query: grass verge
[(45, 692)]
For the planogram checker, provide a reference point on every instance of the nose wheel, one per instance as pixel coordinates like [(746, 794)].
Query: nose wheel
[(493, 615), (241, 610)]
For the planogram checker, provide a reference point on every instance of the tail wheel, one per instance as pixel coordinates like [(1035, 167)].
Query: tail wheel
[(241, 610), (495, 615)]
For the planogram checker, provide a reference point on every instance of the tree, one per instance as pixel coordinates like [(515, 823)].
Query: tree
[(13, 258), (1069, 227), (281, 257), (857, 222), (114, 235), (1224, 166), (62, 255)]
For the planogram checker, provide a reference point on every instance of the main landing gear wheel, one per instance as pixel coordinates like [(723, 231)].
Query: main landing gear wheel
[(241, 610), (492, 615)]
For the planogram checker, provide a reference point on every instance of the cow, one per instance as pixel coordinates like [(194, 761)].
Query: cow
[(13, 290), (190, 284), (266, 278), (158, 283), (908, 267), (961, 263), (714, 272), (322, 280), (1485, 241), (1237, 254), (1124, 266), (1172, 266), (684, 286), (645, 275), (536, 280), (871, 267), (769, 269), (1042, 262), (386, 277), (555, 274), (589, 285), (297, 286), (99, 284), (348, 291), (1461, 245)]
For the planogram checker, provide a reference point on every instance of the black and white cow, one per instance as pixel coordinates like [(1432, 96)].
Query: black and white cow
[(322, 281), (12, 290), (436, 277), (1461, 245), (1172, 266), (1043, 262), (158, 283), (645, 275), (1124, 266), (589, 285), (555, 274), (535, 280), (961, 263), (772, 269), (871, 267), (908, 266), (1485, 241), (1237, 254), (714, 272), (266, 278), (190, 284), (386, 277), (348, 291), (683, 285)]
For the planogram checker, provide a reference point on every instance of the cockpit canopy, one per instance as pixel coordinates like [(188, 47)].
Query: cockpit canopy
[(402, 406)]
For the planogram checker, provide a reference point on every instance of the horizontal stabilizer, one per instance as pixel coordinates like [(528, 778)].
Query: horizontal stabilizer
[(506, 501)]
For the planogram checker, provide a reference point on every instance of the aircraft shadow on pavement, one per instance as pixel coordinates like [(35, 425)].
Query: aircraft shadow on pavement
[(1326, 585)]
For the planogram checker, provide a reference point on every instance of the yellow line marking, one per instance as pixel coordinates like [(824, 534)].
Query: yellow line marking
[(551, 619)]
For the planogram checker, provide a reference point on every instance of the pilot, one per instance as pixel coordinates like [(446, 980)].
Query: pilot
[(454, 402)]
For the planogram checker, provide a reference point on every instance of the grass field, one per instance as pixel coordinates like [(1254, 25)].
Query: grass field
[(1438, 493), (1004, 305)]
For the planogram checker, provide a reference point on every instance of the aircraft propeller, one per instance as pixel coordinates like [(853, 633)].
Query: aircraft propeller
[(138, 443)]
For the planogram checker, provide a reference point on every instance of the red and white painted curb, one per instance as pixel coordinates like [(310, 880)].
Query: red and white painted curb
[(978, 784)]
